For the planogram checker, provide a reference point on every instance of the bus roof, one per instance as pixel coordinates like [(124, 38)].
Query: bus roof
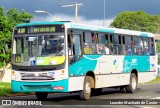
[(111, 30), (39, 23), (92, 28)]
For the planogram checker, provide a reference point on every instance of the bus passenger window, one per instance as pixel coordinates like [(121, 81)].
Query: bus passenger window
[(139, 51), (152, 51), (74, 47), (129, 50), (89, 45), (111, 44), (106, 49), (116, 48), (87, 49), (102, 43), (152, 42)]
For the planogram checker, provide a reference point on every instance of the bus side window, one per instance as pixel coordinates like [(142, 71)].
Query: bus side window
[(70, 48), (74, 47), (89, 43), (116, 44), (139, 46), (146, 46), (152, 51), (111, 44), (123, 45), (129, 49), (102, 43)]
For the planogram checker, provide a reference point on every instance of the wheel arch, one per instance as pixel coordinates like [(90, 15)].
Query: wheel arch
[(135, 72), (91, 74)]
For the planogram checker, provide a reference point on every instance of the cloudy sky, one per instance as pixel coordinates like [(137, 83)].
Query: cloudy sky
[(91, 12)]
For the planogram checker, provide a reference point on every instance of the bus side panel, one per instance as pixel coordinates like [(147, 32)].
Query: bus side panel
[(109, 72), (140, 63), (145, 66), (112, 80), (151, 74), (75, 83), (79, 69), (146, 76)]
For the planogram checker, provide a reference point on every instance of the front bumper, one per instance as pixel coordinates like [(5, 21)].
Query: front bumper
[(54, 86)]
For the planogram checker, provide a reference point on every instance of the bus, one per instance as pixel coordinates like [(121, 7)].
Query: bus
[(65, 57)]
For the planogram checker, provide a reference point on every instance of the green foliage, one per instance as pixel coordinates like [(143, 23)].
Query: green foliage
[(140, 21), (158, 50), (5, 89), (7, 22), (154, 81)]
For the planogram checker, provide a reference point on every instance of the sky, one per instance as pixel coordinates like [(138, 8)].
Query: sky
[(91, 12)]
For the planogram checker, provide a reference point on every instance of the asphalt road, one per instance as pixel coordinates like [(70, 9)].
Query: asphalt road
[(108, 95)]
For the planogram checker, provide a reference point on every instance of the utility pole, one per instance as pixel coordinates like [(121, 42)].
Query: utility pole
[(104, 10), (76, 9)]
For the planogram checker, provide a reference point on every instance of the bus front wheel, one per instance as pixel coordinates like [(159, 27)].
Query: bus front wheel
[(41, 95), (131, 88), (86, 92)]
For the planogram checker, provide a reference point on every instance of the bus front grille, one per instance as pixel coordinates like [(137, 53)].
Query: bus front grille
[(32, 76), (38, 87)]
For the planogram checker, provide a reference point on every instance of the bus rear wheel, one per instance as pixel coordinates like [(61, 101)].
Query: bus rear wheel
[(86, 92), (131, 88), (41, 95)]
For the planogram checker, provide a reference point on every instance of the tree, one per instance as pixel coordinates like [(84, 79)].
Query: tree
[(139, 21), (7, 22)]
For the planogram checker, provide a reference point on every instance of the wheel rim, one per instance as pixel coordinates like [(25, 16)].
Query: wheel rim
[(134, 83), (88, 88)]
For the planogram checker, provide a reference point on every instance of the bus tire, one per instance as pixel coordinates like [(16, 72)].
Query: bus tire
[(86, 92), (41, 95), (131, 88)]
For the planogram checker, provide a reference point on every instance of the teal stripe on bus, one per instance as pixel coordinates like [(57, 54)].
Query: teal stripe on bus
[(106, 30), (81, 67), (81, 27), (20, 86), (140, 63), (39, 23), (144, 34)]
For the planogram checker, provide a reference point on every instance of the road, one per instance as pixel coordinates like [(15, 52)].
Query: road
[(143, 92)]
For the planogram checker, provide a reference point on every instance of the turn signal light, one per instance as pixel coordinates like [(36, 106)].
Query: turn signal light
[(12, 72)]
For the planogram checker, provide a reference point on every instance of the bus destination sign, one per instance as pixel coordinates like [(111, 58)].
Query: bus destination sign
[(39, 29), (21, 31), (42, 29)]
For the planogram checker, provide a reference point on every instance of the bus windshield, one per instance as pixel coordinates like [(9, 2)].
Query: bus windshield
[(38, 50)]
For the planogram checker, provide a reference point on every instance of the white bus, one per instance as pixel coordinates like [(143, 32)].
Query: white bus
[(67, 57)]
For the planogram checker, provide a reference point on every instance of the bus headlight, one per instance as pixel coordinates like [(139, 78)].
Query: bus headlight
[(13, 76), (63, 71)]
